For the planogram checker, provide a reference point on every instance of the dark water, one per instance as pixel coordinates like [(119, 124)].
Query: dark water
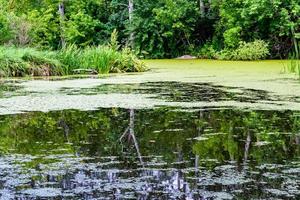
[(8, 89), (165, 153), (178, 91)]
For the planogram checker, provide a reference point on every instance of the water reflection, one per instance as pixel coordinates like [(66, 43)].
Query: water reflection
[(129, 133), (163, 153), (178, 91), (9, 89)]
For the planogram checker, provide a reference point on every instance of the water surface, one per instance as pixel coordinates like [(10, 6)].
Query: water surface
[(185, 130), (176, 154)]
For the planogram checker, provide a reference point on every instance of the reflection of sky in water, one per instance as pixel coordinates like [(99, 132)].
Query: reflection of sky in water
[(79, 155)]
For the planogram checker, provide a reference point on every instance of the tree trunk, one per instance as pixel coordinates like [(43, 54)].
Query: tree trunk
[(131, 132), (247, 147), (61, 10), (202, 8), (200, 132), (130, 14)]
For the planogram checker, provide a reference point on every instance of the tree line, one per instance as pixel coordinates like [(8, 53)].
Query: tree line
[(155, 28)]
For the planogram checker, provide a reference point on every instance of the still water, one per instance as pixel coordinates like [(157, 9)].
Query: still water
[(160, 153), (196, 140)]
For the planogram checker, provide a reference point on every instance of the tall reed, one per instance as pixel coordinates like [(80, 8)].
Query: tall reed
[(69, 60), (294, 56)]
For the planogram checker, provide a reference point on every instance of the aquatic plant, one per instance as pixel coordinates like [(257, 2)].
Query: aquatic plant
[(101, 59), (69, 60), (294, 56)]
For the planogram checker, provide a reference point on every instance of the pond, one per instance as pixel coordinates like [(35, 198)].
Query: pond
[(165, 134)]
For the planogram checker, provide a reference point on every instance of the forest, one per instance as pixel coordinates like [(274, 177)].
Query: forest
[(230, 30)]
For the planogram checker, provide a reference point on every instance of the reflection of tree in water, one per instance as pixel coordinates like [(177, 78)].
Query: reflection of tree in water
[(173, 183), (96, 135), (296, 127), (200, 129), (247, 146), (129, 133), (62, 123)]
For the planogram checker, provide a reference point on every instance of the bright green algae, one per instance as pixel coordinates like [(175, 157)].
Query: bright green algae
[(128, 90)]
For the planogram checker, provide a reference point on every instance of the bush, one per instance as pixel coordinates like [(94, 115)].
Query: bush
[(232, 37), (225, 54), (251, 51), (256, 50), (207, 52), (14, 30), (21, 28), (5, 31)]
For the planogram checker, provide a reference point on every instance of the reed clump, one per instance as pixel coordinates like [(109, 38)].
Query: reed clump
[(69, 60)]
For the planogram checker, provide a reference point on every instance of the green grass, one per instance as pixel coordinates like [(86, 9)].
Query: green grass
[(70, 60), (28, 61)]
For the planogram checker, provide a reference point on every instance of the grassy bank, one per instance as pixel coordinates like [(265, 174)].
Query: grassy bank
[(70, 60)]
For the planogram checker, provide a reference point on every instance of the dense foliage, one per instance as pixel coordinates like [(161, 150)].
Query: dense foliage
[(245, 51), (155, 28), (69, 60)]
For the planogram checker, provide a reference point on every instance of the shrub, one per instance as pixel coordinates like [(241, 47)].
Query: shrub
[(256, 50), (5, 32), (232, 37), (130, 62), (21, 29), (207, 52), (225, 54), (251, 51)]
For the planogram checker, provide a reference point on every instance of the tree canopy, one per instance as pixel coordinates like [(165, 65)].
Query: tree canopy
[(158, 28)]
